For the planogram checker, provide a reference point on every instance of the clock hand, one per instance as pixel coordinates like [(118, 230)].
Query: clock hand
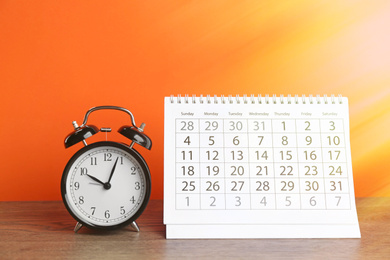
[(113, 169), (95, 179)]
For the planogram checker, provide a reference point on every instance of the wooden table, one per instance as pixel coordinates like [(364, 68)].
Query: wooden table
[(44, 230)]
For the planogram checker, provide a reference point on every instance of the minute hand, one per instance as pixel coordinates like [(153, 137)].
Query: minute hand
[(113, 170)]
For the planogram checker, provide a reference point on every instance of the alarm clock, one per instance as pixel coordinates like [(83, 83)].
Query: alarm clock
[(106, 185)]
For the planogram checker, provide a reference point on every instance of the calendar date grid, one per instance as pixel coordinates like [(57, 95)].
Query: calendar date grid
[(239, 164)]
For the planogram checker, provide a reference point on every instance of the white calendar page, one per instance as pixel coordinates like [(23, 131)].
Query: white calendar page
[(258, 167)]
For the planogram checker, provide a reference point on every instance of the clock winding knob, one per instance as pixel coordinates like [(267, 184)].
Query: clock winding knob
[(75, 125)]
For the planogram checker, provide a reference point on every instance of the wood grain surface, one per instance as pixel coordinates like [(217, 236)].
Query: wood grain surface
[(44, 230)]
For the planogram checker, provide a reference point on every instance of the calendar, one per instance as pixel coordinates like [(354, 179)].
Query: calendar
[(258, 167)]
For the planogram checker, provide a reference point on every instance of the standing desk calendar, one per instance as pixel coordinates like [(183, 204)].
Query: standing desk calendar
[(258, 167)]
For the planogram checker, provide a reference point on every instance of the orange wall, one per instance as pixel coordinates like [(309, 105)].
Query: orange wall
[(59, 58)]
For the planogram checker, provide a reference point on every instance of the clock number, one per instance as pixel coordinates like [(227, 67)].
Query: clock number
[(76, 185), (107, 157), (83, 170), (121, 160), (93, 161), (107, 214), (133, 170), (122, 210), (81, 200), (132, 199), (93, 210), (137, 185)]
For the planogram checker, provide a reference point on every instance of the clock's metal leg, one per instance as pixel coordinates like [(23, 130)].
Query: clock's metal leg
[(134, 226), (77, 227)]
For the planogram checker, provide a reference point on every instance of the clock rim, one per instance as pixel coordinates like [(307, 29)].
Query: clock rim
[(135, 155)]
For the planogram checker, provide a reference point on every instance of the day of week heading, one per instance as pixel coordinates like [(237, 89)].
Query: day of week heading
[(306, 114), (329, 114), (282, 114), (235, 114), (187, 114), (258, 114), (211, 114)]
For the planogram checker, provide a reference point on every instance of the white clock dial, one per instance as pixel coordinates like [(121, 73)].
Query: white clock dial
[(106, 184)]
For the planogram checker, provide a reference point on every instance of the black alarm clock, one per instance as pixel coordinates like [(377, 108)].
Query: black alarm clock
[(106, 185)]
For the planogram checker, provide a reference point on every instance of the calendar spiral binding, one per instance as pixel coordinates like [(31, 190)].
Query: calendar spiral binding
[(259, 99)]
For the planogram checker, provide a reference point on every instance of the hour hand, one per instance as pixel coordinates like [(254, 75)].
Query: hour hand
[(95, 179)]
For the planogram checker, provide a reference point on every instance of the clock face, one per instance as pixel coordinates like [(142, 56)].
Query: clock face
[(106, 185)]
